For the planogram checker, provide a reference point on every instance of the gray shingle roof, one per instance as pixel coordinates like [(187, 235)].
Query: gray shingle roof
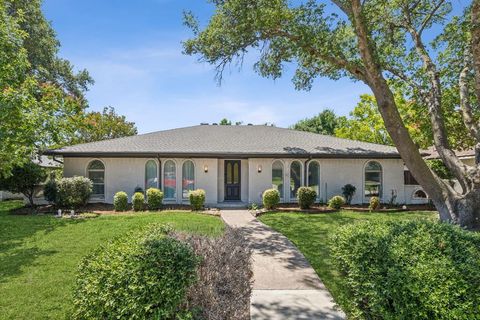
[(241, 141)]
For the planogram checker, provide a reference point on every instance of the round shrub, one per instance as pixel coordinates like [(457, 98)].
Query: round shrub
[(120, 201), (306, 197), (143, 275), (270, 198), (154, 199), (409, 270), (336, 202), (50, 191), (197, 199), (138, 201), (73, 192), (374, 203)]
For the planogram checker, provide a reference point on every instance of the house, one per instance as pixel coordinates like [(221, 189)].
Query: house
[(235, 164)]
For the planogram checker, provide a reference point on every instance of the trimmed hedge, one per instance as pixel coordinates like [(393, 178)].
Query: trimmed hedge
[(408, 270), (141, 275), (120, 201), (154, 199), (197, 199), (270, 198), (336, 202), (374, 203), (73, 192), (306, 197), (138, 201)]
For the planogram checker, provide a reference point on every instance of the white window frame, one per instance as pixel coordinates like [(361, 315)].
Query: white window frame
[(194, 176), (163, 179), (319, 177), (282, 199), (380, 196), (145, 173), (87, 171), (294, 199)]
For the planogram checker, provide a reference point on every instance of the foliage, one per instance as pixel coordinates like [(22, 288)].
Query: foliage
[(73, 193), (138, 201), (415, 269), (374, 203), (24, 179), (197, 199), (219, 294), (270, 198), (97, 126), (225, 122), (336, 202), (326, 122), (437, 166), (138, 189), (348, 192), (50, 191), (120, 201), (154, 199), (142, 275), (306, 197)]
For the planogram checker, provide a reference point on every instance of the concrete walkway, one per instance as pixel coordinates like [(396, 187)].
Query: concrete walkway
[(285, 285)]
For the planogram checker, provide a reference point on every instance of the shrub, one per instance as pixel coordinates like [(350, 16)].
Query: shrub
[(50, 191), (154, 199), (374, 203), (336, 202), (138, 201), (270, 198), (141, 275), (218, 293), (306, 197), (120, 201), (197, 199), (348, 191), (73, 192), (408, 270)]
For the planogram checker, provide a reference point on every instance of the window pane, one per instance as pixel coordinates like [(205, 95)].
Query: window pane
[(96, 165), (169, 180), (372, 190), (236, 173), (373, 179), (96, 176), (151, 177), (98, 189), (229, 173), (314, 177), (374, 166), (295, 178), (188, 178), (372, 176), (277, 177), (96, 173)]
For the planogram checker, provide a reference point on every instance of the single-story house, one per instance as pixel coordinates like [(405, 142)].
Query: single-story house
[(235, 164)]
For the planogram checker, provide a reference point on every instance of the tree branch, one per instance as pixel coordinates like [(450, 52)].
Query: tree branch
[(465, 105), (429, 17)]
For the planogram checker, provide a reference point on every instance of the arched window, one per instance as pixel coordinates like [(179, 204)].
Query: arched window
[(169, 180), (373, 179), (277, 177), (420, 194), (96, 173), (151, 175), (314, 177), (188, 178), (295, 178)]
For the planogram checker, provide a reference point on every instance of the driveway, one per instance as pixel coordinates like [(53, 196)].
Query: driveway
[(285, 285)]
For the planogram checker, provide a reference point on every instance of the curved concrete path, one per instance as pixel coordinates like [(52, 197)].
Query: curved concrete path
[(285, 285)]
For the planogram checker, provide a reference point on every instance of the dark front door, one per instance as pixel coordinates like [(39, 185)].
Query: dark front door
[(232, 180)]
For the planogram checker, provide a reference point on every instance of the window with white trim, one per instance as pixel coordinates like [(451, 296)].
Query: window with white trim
[(373, 179), (277, 177), (188, 178), (169, 180), (295, 178), (96, 173), (314, 177), (151, 174)]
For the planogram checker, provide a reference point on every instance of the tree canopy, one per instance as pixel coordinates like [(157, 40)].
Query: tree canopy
[(326, 122)]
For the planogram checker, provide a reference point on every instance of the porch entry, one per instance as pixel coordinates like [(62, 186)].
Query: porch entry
[(232, 180)]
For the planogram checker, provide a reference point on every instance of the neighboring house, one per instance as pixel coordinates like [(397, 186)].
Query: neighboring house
[(236, 164), (50, 165)]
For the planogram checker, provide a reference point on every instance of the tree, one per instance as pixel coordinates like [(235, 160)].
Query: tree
[(225, 122), (381, 44), (324, 123), (24, 179), (39, 93), (96, 126)]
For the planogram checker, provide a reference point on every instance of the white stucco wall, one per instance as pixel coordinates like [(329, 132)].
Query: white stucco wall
[(125, 174)]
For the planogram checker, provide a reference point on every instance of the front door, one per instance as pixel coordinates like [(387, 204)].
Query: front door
[(232, 180)]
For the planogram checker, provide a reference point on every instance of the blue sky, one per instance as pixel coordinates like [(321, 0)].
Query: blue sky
[(133, 51)]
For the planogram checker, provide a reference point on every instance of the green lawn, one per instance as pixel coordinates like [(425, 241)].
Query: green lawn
[(311, 233), (39, 254)]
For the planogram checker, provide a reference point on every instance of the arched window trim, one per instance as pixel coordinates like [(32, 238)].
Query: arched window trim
[(294, 198), (381, 177), (104, 176), (194, 176), (282, 195), (319, 176), (163, 178), (145, 173), (414, 197)]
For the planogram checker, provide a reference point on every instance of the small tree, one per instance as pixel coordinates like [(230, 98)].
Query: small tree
[(24, 179), (348, 191)]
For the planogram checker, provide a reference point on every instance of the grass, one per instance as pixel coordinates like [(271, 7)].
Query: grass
[(39, 254), (311, 234)]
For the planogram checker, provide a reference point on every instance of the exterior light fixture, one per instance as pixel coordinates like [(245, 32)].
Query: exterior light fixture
[(205, 168), (259, 169)]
